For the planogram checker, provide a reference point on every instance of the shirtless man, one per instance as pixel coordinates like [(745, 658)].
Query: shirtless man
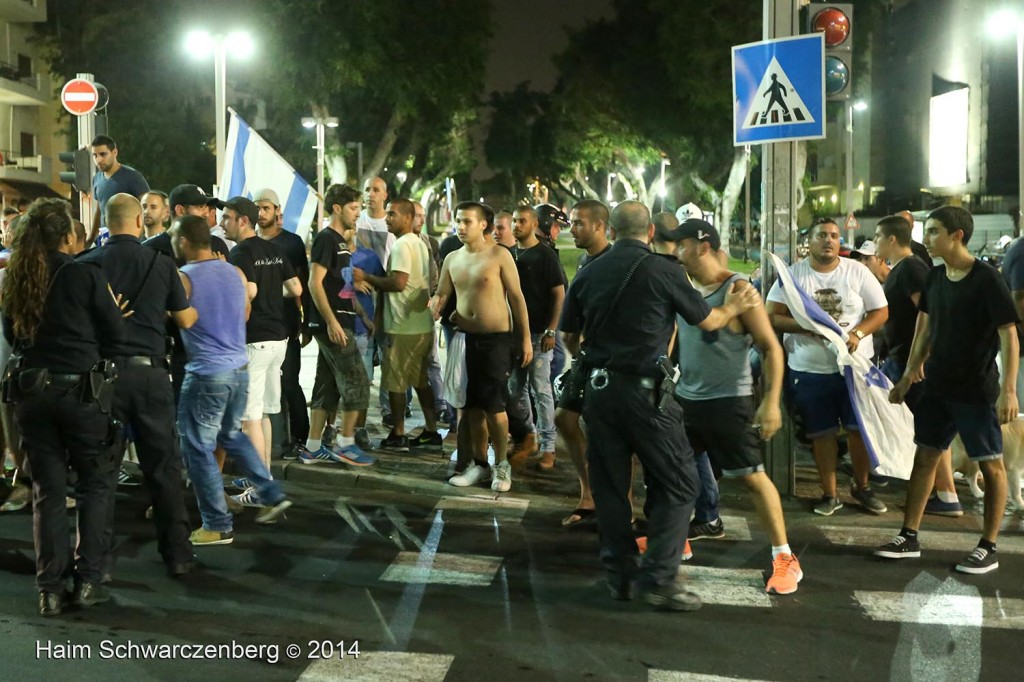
[(484, 278)]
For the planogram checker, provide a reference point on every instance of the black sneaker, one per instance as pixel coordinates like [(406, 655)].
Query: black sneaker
[(978, 561), (867, 499), (900, 547), (672, 598), (387, 421), (429, 440), (395, 443), (715, 530), (291, 450)]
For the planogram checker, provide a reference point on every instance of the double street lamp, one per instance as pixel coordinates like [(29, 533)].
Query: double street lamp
[(200, 44), (321, 123)]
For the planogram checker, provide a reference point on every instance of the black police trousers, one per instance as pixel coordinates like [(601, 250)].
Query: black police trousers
[(622, 420), (293, 400), (144, 403), (57, 428)]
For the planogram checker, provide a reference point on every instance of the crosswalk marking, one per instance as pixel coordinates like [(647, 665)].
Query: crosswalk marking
[(471, 570), (483, 508), (736, 528), (673, 676), (945, 541), (942, 609), (727, 586), (380, 666)]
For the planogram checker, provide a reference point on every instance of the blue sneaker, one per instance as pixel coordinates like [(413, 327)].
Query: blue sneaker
[(353, 455), (939, 508), (324, 454)]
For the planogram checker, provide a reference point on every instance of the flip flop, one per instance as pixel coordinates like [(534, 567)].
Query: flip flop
[(577, 517)]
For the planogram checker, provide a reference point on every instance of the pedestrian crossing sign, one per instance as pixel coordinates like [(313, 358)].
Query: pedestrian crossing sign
[(779, 90)]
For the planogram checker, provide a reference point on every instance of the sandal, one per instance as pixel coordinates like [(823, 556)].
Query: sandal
[(577, 517)]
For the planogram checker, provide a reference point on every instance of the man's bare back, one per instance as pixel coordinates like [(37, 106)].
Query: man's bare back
[(482, 306)]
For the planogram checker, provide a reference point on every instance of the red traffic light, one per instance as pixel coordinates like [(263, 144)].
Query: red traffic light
[(834, 23)]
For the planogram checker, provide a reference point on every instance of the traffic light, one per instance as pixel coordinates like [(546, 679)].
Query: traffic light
[(79, 174), (835, 20)]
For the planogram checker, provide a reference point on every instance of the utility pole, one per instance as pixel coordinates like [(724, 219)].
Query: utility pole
[(780, 184)]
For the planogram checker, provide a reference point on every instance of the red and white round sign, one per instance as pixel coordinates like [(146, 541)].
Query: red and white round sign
[(79, 96)]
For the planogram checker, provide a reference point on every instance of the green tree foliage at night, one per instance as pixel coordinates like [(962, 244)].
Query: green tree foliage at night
[(402, 77)]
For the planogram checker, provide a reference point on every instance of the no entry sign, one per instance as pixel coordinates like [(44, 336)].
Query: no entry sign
[(79, 96)]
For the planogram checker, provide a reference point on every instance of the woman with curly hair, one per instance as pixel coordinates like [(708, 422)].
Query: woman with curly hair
[(57, 315)]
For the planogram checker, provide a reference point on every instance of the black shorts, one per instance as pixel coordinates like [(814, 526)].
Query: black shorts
[(938, 419), (489, 359), (722, 427)]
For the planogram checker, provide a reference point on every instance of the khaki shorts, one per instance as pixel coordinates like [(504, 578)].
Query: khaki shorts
[(405, 362)]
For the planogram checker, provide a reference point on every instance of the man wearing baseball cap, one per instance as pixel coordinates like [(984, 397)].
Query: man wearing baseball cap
[(266, 271), (867, 254), (293, 400)]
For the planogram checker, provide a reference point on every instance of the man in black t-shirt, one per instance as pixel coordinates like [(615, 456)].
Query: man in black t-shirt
[(589, 221), (341, 378), (966, 317), (903, 288), (540, 274), (293, 400), (266, 338)]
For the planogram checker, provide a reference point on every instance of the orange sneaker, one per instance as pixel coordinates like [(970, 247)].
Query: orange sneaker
[(786, 574), (641, 544)]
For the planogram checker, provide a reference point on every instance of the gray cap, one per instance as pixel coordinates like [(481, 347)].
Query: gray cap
[(266, 194)]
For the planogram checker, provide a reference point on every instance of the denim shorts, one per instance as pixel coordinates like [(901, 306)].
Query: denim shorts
[(937, 420), (823, 401)]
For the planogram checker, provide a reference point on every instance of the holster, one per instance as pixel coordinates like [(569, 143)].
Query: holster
[(573, 381), (667, 385), (19, 383), (99, 388)]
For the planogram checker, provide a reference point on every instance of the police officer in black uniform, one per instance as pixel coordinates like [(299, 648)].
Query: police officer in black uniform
[(58, 314), (143, 397), (625, 305)]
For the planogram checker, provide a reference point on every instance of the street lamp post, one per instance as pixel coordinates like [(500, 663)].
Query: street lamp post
[(663, 190), (1002, 23), (199, 44), (320, 123)]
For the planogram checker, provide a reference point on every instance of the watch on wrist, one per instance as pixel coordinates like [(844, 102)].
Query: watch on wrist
[(549, 332), (858, 333)]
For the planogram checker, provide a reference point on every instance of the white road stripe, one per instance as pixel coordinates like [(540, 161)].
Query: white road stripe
[(673, 676), (736, 528), (380, 666), (446, 569), (946, 541), (943, 609), (727, 586)]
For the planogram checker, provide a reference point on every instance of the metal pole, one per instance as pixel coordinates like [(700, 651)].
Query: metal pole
[(662, 190), (746, 210), (86, 133), (320, 143), (1020, 122), (220, 100), (849, 168), (360, 162), (778, 230)]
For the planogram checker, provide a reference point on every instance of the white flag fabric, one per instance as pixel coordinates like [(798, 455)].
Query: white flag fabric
[(251, 164), (887, 429)]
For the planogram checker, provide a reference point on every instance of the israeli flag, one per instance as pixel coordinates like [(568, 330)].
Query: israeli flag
[(251, 164), (887, 429)]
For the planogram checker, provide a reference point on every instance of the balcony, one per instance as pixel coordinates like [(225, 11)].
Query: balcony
[(23, 11), (25, 90), (14, 166)]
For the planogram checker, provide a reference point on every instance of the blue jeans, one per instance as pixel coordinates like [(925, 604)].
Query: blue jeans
[(366, 345), (539, 384), (210, 414), (706, 508)]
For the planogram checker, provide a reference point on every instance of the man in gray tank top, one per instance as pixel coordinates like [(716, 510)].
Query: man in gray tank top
[(716, 390)]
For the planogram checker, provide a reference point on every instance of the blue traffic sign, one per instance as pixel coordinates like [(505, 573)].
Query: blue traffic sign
[(779, 90)]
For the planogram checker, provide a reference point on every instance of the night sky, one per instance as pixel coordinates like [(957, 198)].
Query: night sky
[(528, 33)]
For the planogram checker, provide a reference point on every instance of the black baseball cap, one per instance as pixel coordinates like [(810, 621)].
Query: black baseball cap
[(245, 207), (698, 229), (187, 195)]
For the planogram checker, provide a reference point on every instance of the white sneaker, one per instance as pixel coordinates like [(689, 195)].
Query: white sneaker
[(502, 482), (471, 476)]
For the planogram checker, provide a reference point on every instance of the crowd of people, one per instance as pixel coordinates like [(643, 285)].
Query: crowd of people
[(180, 334)]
